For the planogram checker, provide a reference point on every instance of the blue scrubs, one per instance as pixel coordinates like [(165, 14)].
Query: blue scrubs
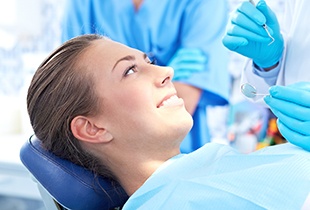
[(218, 177), (160, 28)]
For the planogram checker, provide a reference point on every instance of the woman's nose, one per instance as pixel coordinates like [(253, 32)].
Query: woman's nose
[(165, 75)]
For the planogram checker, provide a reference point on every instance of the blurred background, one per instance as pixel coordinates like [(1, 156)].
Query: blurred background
[(29, 30)]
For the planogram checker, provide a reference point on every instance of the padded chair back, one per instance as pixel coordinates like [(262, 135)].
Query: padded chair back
[(70, 185)]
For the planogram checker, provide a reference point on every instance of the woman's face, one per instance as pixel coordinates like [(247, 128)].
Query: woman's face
[(140, 103)]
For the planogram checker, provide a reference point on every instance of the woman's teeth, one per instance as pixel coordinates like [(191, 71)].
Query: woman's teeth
[(172, 101)]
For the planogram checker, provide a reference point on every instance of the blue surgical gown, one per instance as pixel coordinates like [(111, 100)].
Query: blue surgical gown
[(160, 28), (218, 177)]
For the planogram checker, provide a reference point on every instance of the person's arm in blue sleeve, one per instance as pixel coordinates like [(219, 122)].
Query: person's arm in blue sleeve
[(76, 19), (247, 36), (200, 63), (292, 107), (185, 62)]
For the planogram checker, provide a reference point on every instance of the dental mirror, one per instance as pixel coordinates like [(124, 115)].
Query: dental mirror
[(250, 91)]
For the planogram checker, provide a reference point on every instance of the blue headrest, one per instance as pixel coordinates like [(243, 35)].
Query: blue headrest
[(70, 185)]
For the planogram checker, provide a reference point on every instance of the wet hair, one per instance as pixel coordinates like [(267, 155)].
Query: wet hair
[(59, 91)]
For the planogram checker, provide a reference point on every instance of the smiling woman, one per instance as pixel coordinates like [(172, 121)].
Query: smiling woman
[(86, 105)]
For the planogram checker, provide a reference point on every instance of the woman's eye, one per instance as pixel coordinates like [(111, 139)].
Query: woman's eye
[(153, 62), (130, 70)]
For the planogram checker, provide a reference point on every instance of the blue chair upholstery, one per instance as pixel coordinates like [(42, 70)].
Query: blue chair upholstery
[(70, 185)]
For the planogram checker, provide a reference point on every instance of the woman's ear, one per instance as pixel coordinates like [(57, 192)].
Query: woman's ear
[(85, 129)]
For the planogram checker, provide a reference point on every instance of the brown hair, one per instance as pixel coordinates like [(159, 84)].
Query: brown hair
[(59, 91)]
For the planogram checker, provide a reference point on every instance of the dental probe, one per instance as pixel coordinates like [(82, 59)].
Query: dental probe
[(265, 26)]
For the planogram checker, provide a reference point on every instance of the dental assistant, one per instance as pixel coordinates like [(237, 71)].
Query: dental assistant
[(281, 62), (183, 34)]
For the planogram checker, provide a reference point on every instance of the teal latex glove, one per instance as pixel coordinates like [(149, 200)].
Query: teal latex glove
[(245, 34), (186, 62), (291, 105)]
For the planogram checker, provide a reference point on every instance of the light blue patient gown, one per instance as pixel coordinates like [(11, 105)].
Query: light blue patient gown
[(159, 29), (217, 177)]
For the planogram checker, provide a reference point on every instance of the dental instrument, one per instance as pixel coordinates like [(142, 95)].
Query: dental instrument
[(250, 91), (265, 27)]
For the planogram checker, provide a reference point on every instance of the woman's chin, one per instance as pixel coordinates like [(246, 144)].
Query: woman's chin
[(184, 126)]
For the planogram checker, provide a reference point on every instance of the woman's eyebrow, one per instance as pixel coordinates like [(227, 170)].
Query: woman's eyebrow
[(128, 58)]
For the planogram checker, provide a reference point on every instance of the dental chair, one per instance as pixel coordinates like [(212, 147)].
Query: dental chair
[(65, 185)]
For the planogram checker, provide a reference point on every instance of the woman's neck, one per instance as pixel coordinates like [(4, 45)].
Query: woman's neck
[(132, 177), (132, 166), (134, 170)]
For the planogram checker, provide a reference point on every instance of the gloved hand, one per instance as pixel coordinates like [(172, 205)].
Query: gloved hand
[(187, 61), (291, 105), (246, 35)]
